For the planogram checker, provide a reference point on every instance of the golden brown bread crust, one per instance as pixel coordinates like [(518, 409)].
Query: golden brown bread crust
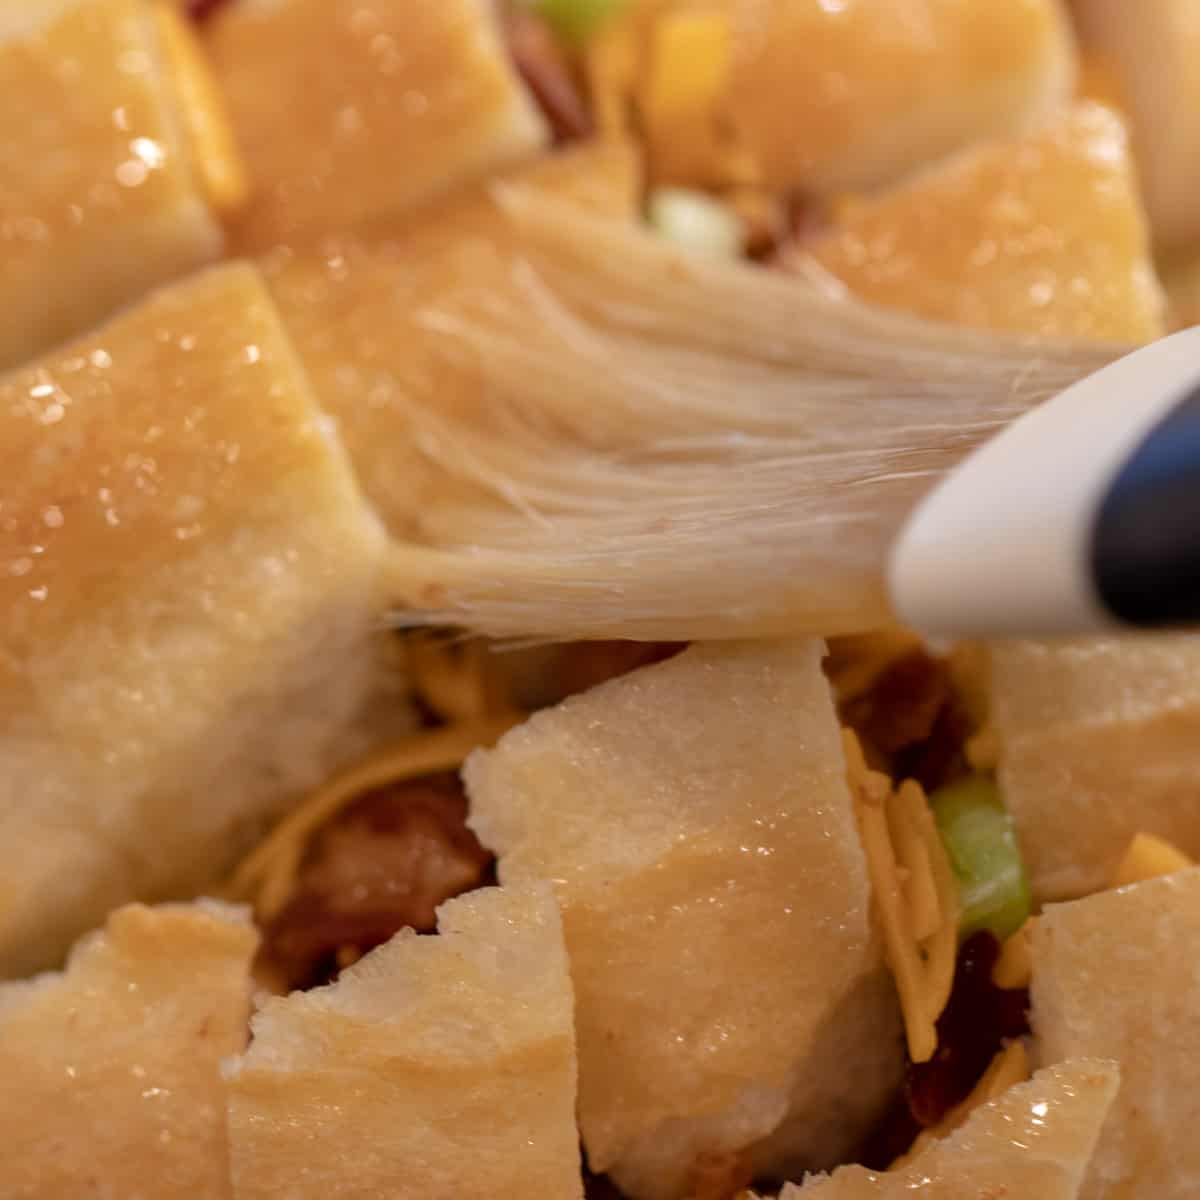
[(111, 1071), (186, 580), (345, 111), (823, 96), (1042, 234), (354, 307), (1150, 53), (98, 199)]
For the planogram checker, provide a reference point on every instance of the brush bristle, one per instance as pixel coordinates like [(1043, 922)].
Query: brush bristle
[(681, 448)]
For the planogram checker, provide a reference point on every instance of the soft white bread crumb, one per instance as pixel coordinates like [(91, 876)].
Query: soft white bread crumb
[(111, 1070), (1031, 1143), (436, 1067)]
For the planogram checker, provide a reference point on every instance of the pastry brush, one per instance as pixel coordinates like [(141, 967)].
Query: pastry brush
[(671, 447), (1081, 516)]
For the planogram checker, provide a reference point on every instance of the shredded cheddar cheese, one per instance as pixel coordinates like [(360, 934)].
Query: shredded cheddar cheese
[(912, 857), (268, 875), (1009, 1067), (1147, 857), (456, 678), (915, 890), (666, 76), (691, 59)]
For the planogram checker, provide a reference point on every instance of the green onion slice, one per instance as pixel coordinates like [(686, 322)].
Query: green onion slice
[(982, 847)]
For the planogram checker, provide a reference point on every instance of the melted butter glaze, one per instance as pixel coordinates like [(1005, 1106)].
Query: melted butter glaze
[(98, 201)]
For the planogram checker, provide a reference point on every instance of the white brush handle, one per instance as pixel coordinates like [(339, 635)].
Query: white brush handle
[(1083, 515)]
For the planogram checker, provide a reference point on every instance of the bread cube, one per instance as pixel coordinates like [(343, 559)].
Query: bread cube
[(696, 821), (1039, 234), (1099, 740), (347, 111), (1114, 975), (434, 1067), (187, 582), (357, 308), (112, 1083), (1032, 1143), (99, 196), (1150, 52), (821, 95)]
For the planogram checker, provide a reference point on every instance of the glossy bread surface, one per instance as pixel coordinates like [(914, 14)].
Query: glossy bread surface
[(185, 563), (111, 1070), (1114, 975), (358, 309), (1098, 742), (826, 94), (98, 199), (1042, 234), (345, 111), (697, 823), (1151, 57), (1031, 1143)]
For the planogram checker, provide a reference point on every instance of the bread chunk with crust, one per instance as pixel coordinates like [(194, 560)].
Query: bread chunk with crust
[(100, 199), (436, 1066), (696, 821), (187, 588), (1114, 976), (112, 1083)]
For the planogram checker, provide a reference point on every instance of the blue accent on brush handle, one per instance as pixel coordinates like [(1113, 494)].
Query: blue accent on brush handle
[(1145, 545)]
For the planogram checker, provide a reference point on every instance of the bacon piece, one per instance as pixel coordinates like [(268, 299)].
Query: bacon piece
[(971, 1029), (385, 864), (915, 719), (975, 1022)]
